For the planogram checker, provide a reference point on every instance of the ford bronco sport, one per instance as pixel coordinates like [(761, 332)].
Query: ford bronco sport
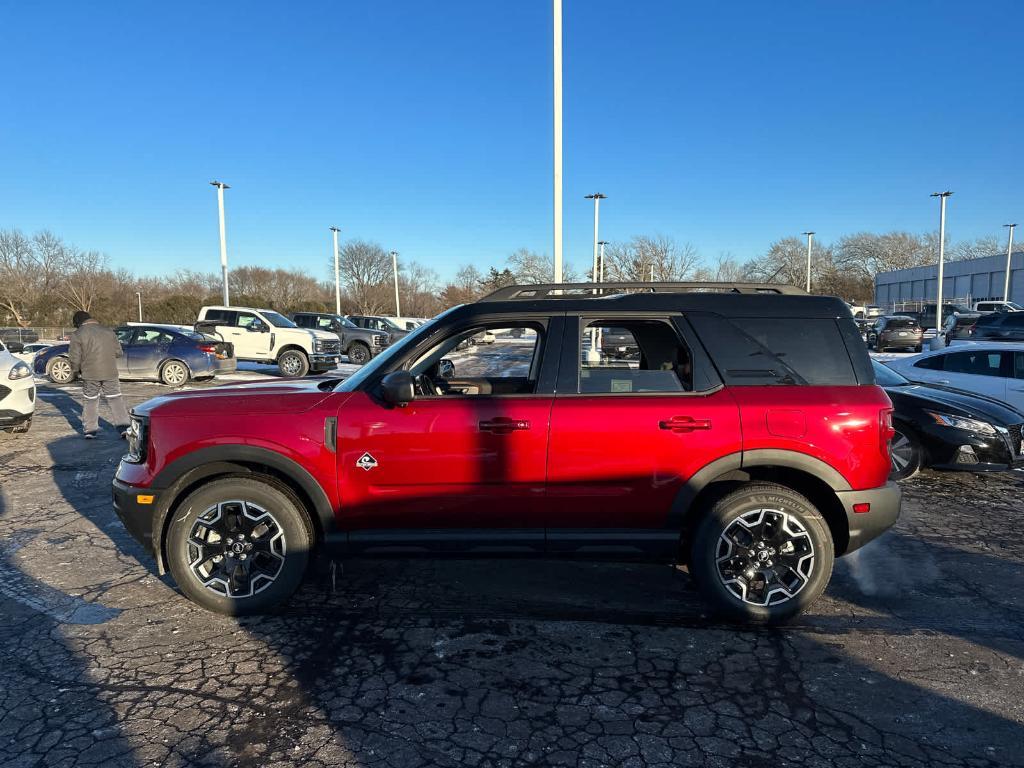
[(745, 439)]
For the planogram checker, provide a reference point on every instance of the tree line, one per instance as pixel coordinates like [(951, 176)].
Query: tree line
[(44, 279)]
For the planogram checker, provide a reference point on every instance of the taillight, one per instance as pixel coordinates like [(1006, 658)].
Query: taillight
[(208, 348), (885, 429)]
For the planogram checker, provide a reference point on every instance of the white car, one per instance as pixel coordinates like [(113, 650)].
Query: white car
[(29, 351), (995, 370), (17, 392)]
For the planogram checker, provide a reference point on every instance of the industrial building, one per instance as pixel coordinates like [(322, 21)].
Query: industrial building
[(963, 281)]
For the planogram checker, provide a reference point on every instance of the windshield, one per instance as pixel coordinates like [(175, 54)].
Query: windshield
[(396, 350), (278, 321), (887, 377), (1013, 306), (344, 322)]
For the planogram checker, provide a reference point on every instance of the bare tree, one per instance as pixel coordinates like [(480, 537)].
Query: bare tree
[(366, 273), (643, 256), (532, 268)]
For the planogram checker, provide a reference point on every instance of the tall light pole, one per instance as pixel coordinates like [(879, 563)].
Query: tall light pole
[(600, 270), (337, 273), (221, 186), (394, 268), (942, 257), (810, 243), (557, 56), (597, 197), (138, 294), (1009, 255)]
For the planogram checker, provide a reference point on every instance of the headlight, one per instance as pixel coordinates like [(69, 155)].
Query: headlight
[(19, 371), (318, 345), (962, 422), (136, 437)]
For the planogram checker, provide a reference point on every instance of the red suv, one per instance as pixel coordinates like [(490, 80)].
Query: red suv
[(736, 429)]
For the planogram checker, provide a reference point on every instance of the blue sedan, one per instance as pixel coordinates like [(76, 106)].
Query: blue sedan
[(168, 354)]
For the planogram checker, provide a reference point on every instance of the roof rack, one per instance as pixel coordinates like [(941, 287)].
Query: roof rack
[(583, 290)]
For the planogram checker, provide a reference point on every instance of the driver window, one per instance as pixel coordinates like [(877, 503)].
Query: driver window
[(124, 335), (481, 361)]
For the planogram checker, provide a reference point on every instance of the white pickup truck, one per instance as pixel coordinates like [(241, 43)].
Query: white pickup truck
[(997, 306), (266, 336)]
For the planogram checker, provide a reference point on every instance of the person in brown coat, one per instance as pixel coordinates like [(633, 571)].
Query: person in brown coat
[(93, 355)]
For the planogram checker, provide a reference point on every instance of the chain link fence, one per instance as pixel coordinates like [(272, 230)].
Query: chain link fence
[(32, 335)]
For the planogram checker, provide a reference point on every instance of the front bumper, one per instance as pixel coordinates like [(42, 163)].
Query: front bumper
[(993, 453), (884, 510), (136, 514), (17, 401), (324, 361)]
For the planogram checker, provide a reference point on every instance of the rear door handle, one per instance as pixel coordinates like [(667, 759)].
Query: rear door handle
[(503, 425), (684, 424)]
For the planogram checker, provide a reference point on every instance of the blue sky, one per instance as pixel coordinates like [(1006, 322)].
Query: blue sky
[(427, 126)]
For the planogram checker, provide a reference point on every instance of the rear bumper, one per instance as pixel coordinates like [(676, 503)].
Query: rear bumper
[(137, 517), (884, 511), (230, 365)]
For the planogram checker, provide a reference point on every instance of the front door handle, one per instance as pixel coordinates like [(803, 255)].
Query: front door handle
[(684, 424), (942, 381), (503, 425)]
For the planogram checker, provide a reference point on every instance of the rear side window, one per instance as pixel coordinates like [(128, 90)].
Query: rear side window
[(767, 350), (637, 356), (974, 363), (220, 316)]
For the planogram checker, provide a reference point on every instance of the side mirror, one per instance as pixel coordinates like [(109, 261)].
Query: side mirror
[(15, 346), (398, 388), (445, 368), (258, 328)]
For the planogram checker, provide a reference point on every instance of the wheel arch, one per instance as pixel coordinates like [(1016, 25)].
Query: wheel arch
[(292, 348), (180, 478), (805, 474)]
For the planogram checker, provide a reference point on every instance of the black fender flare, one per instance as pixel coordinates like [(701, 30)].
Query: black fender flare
[(233, 459), (732, 466)]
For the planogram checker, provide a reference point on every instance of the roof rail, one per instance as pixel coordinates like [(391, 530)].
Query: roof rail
[(583, 290)]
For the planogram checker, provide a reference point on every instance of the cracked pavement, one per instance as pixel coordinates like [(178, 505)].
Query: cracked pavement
[(914, 657)]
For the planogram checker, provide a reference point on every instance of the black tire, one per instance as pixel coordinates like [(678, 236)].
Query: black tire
[(803, 548), (906, 452), (58, 370), (920, 347), (274, 566), (293, 364), (358, 353), (174, 373)]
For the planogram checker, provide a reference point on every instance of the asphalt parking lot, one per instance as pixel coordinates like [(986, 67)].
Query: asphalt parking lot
[(915, 657)]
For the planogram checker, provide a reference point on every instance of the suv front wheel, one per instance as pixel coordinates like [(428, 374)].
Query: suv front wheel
[(761, 554), (239, 545)]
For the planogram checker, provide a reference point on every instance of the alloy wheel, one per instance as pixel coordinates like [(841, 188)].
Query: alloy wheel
[(175, 374), (291, 365), (236, 549), (60, 370), (901, 452), (765, 557)]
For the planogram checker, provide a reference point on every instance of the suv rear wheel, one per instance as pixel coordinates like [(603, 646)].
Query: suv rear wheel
[(762, 554), (174, 373), (293, 364), (239, 545)]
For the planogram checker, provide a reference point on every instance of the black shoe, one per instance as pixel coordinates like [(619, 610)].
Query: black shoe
[(89, 435)]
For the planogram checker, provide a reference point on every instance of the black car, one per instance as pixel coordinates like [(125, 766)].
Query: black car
[(895, 332), (948, 428), (358, 344), (999, 326)]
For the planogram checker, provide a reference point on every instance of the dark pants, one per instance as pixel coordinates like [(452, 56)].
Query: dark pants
[(110, 389)]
